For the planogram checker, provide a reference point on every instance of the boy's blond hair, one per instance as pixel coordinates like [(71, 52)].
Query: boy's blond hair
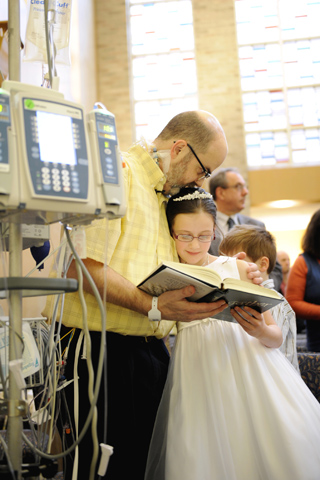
[(255, 241)]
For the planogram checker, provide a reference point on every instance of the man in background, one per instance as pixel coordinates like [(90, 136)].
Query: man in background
[(284, 260), (229, 191)]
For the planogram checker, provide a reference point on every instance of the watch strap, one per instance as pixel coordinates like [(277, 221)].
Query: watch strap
[(154, 314)]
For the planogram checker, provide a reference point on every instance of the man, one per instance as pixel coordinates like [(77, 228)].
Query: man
[(188, 149), (284, 260), (229, 191)]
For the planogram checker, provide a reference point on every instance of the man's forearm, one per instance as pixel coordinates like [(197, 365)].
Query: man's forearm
[(117, 289)]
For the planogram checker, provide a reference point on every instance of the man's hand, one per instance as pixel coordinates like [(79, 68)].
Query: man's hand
[(253, 273), (175, 306)]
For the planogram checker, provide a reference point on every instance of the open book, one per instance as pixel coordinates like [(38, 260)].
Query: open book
[(209, 287)]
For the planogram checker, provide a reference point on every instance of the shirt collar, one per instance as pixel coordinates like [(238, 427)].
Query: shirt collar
[(268, 283), (156, 176), (223, 218)]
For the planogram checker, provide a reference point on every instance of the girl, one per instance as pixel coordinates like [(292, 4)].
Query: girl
[(233, 407)]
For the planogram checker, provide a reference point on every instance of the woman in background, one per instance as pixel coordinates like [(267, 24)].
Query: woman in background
[(303, 287)]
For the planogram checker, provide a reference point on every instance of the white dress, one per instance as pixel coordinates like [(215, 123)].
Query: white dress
[(233, 409)]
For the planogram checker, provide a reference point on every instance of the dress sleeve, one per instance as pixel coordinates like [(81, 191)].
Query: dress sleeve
[(296, 287), (226, 267)]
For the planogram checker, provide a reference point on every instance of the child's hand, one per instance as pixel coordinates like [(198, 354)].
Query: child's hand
[(254, 323), (250, 320)]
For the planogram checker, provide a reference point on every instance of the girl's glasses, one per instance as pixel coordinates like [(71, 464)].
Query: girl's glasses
[(189, 238)]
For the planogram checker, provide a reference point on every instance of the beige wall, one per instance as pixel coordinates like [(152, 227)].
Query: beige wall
[(113, 85), (298, 183), (218, 72)]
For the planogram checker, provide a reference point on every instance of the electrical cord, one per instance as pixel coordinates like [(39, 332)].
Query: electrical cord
[(99, 368), (6, 451), (76, 404), (90, 373)]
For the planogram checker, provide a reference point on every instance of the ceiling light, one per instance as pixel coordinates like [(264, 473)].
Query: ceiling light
[(284, 203)]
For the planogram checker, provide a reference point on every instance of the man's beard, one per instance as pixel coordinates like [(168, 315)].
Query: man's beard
[(174, 173)]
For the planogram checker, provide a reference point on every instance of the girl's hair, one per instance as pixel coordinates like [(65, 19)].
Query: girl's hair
[(311, 239), (203, 203), (255, 241)]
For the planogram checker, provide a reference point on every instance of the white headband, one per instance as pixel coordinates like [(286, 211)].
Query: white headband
[(193, 196)]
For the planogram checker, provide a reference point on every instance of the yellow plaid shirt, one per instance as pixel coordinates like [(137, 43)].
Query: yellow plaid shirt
[(136, 244)]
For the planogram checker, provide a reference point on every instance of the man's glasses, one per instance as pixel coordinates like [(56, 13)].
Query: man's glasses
[(206, 172), (239, 186), (189, 238)]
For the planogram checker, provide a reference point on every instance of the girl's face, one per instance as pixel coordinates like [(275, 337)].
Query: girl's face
[(193, 252)]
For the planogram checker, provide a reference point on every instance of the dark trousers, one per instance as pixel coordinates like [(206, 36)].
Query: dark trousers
[(136, 374)]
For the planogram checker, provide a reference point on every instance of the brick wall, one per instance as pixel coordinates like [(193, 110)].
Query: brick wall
[(218, 72), (113, 85)]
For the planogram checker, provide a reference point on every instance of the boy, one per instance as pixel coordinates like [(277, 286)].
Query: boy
[(260, 248)]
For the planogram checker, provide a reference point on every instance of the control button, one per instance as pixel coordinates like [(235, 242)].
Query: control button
[(83, 161), (66, 189), (56, 188)]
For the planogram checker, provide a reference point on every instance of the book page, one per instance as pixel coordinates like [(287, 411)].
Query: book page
[(243, 286), (202, 273), (169, 279)]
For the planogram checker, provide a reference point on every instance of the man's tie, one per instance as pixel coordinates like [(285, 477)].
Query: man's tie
[(231, 223)]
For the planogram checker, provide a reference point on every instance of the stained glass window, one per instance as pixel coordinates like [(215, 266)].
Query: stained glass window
[(162, 61), (279, 59)]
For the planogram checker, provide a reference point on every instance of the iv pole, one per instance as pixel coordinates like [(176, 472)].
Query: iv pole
[(15, 405)]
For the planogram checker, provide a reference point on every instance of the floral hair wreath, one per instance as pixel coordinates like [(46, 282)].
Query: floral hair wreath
[(193, 196)]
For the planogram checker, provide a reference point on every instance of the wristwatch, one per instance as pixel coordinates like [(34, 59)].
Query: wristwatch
[(154, 314)]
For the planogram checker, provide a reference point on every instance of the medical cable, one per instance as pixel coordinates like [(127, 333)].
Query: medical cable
[(90, 372), (99, 369)]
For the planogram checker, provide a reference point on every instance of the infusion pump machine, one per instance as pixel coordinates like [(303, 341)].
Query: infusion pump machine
[(49, 170)]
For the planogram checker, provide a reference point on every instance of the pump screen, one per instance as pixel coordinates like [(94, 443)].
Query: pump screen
[(56, 138)]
